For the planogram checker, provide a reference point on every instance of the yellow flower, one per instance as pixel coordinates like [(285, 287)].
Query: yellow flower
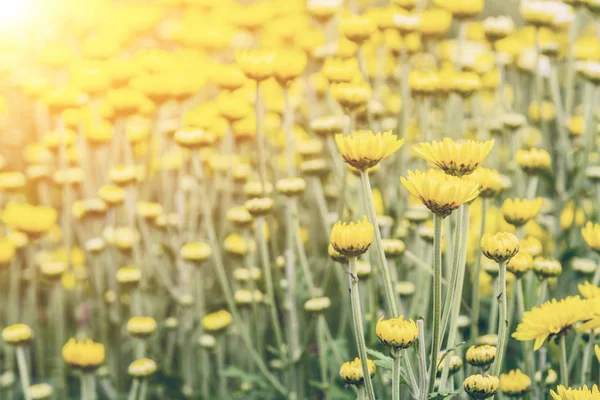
[(40, 391), (453, 158), (256, 64), (288, 65), (195, 251), (533, 161), (357, 28), (481, 355), (237, 244), (228, 77), (291, 186), (29, 219), (461, 9), (17, 334), (591, 235), (194, 138), (397, 332), (515, 383), (351, 95), (570, 216), (550, 319), (500, 247), (129, 276), (423, 83), (589, 290), (497, 28), (85, 354), (481, 387), (518, 211), (520, 263), (317, 304), (142, 367), (489, 180), (352, 239), (352, 372), (141, 326), (435, 23), (364, 149), (575, 394), (338, 70), (321, 10), (12, 181), (216, 321), (441, 193)]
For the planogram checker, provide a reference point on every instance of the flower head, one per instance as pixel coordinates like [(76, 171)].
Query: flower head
[(589, 290), (552, 318), (461, 9), (454, 158), (216, 321), (481, 387), (357, 28), (29, 219), (518, 211), (533, 161), (256, 64), (546, 268), (591, 235), (84, 354), (563, 393), (441, 193), (352, 239), (489, 180), (142, 367), (481, 355), (397, 332), (195, 251), (352, 372), (364, 149), (141, 326), (520, 263), (17, 334), (499, 247), (515, 383)]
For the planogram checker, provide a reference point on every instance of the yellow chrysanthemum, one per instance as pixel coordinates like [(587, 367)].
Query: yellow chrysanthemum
[(563, 393), (84, 354), (454, 158), (589, 290), (364, 149), (217, 321), (352, 239), (441, 193), (489, 180), (351, 371), (533, 161), (500, 247), (397, 332), (481, 387), (515, 383), (518, 211), (591, 235), (554, 317)]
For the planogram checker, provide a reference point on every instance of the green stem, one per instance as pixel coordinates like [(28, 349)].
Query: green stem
[(395, 374), (527, 348), (23, 371), (477, 272), (564, 373), (437, 296), (144, 389), (135, 384), (268, 275), (224, 282), (221, 367), (586, 370), (359, 334), (387, 280), (502, 322), (290, 298), (422, 360)]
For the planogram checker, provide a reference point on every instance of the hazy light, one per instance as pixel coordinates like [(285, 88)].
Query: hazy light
[(15, 13)]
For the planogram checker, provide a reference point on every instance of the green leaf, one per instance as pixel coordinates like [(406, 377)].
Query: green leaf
[(379, 355), (385, 364), (443, 395)]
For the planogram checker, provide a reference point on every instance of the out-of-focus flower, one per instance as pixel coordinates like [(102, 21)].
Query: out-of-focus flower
[(515, 383), (591, 235), (257, 65), (142, 367), (533, 161), (217, 321), (518, 212), (352, 372), (17, 334), (83, 354)]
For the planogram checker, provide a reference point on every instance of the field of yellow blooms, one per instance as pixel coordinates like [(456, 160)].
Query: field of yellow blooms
[(299, 199)]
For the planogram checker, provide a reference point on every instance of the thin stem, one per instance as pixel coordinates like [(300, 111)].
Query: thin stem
[(564, 373), (527, 348), (322, 339), (395, 374), (586, 370), (387, 280), (221, 368), (144, 389), (290, 298), (422, 360), (268, 275), (359, 334), (135, 384), (437, 296), (477, 272), (502, 322), (23, 371)]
